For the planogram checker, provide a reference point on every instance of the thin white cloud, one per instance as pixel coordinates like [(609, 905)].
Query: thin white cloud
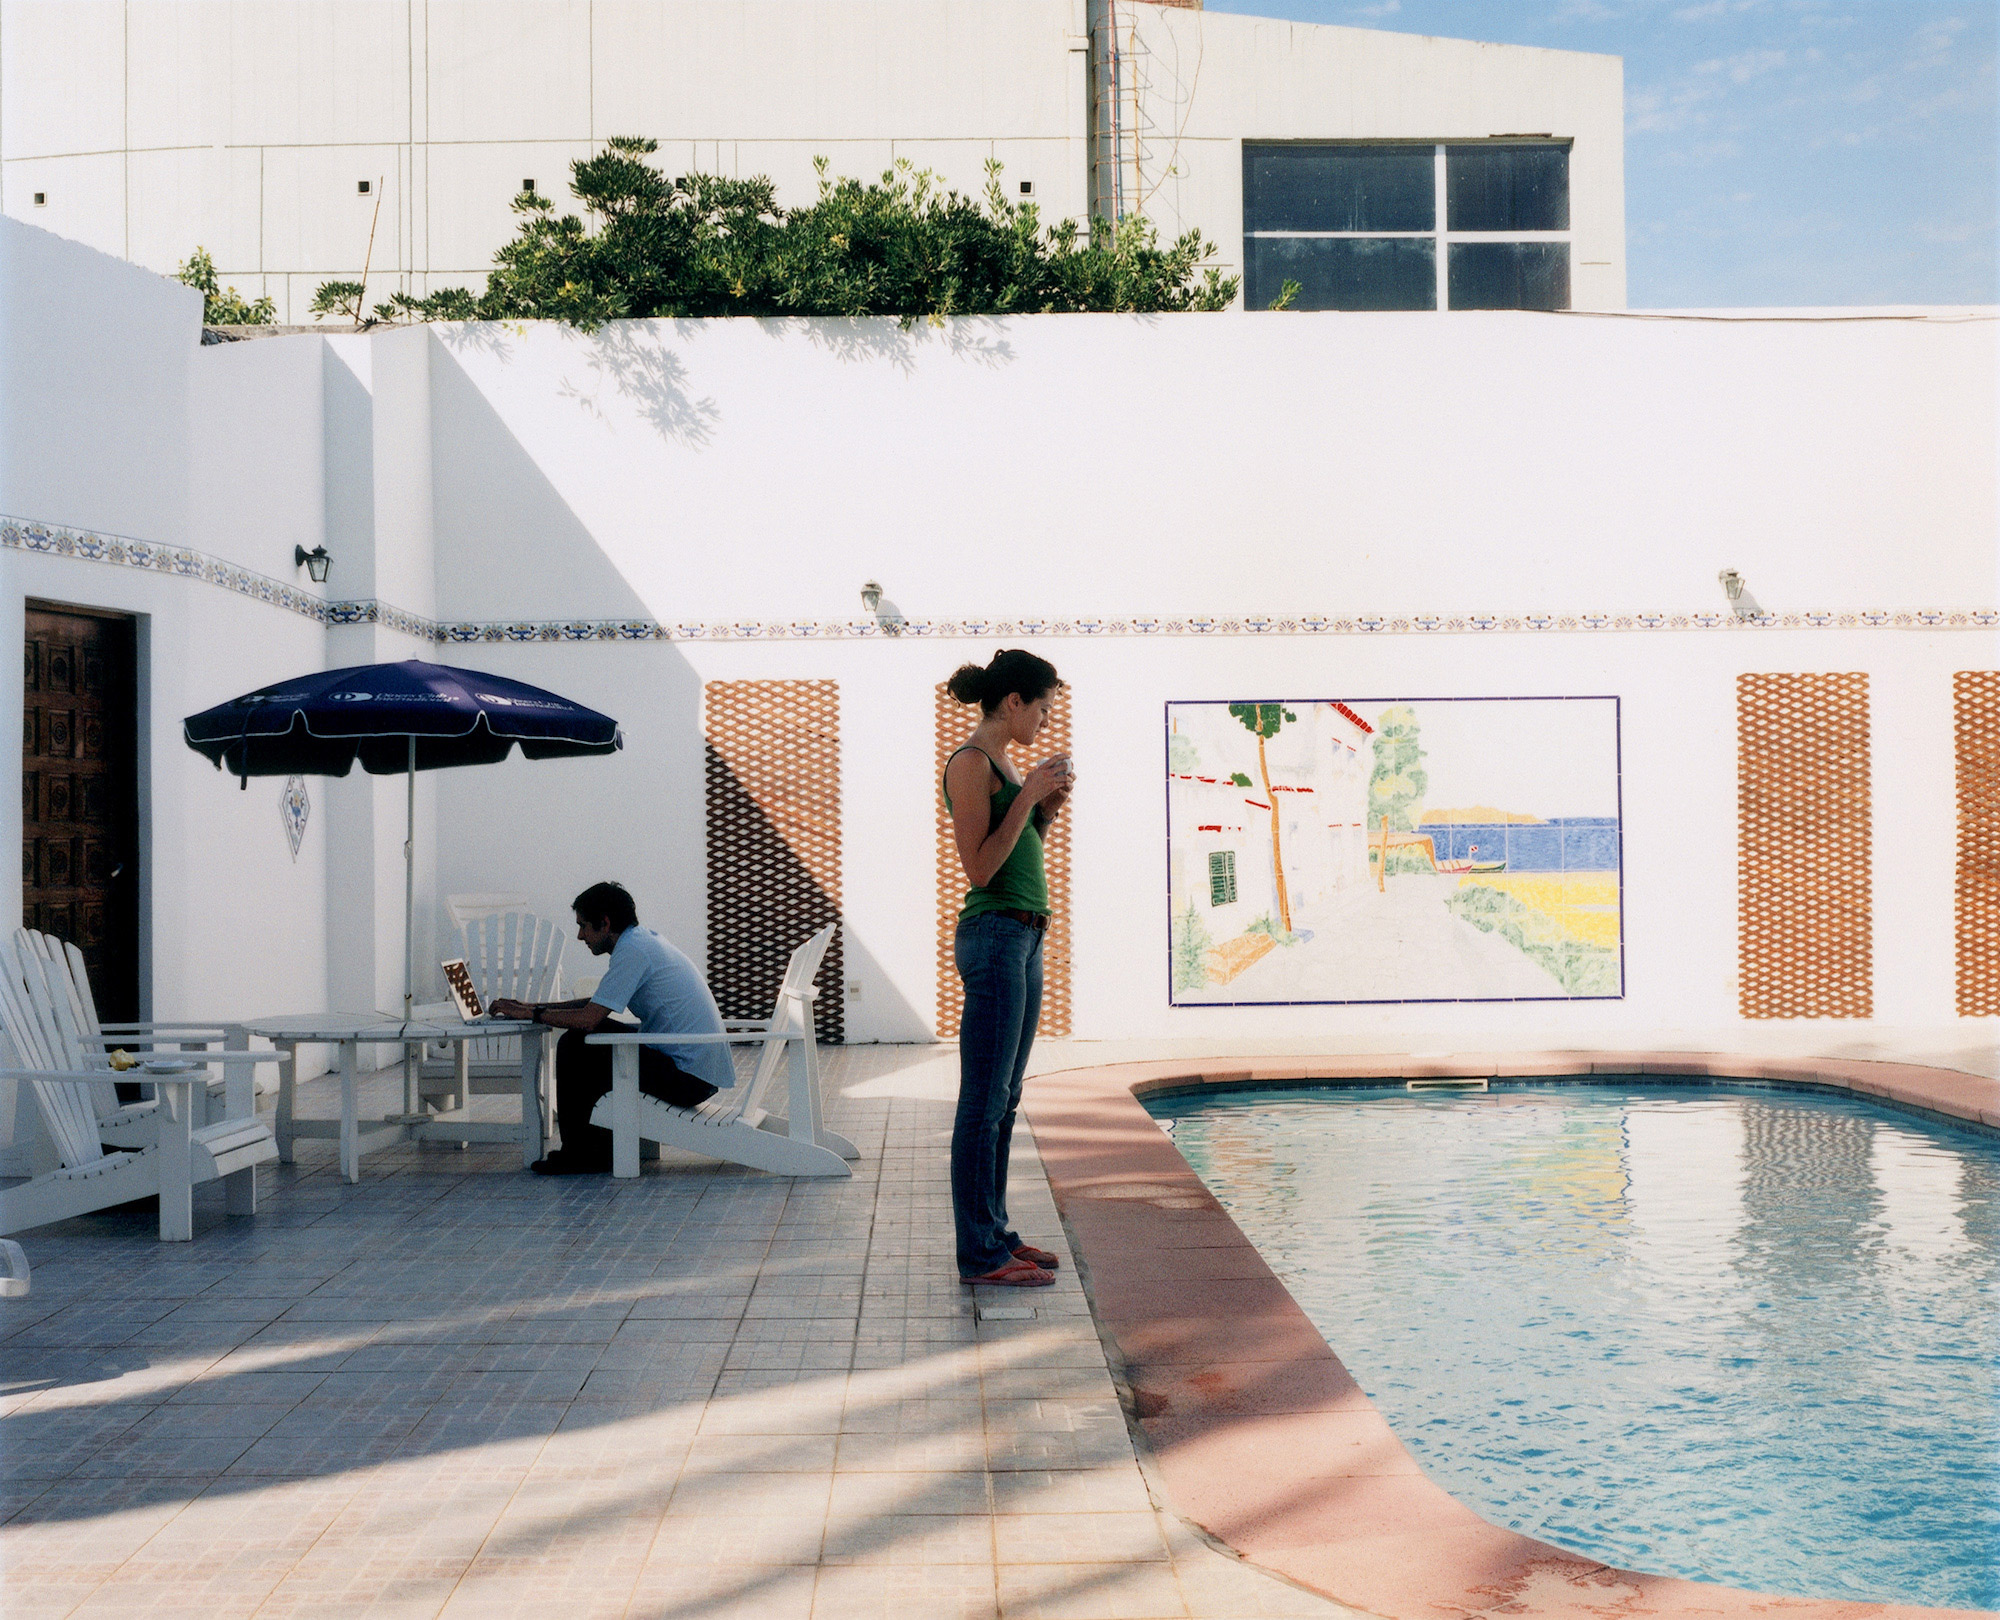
[(1744, 65), (1388, 8), (1709, 10), (1933, 43)]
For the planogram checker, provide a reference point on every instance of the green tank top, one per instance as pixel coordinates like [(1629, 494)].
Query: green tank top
[(1020, 884)]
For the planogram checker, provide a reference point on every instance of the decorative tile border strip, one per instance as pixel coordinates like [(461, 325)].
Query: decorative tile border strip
[(989, 629), (81, 545), (386, 614), (84, 546), (121, 551)]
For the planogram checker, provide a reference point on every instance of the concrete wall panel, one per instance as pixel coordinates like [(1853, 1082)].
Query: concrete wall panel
[(85, 197), (318, 72), (316, 222), (180, 83), (62, 78), (469, 204), (199, 196), (508, 70)]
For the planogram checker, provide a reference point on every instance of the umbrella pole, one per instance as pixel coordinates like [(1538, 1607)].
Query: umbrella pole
[(410, 885), (410, 925)]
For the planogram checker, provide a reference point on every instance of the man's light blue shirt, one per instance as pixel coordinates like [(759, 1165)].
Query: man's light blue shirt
[(666, 995)]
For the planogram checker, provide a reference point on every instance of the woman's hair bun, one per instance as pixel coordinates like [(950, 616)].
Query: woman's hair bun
[(967, 683), (1013, 670)]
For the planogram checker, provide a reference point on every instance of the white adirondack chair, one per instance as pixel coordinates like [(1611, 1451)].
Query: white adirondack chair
[(509, 953), (470, 908), (18, 1280), (57, 987), (737, 1126), (178, 1158)]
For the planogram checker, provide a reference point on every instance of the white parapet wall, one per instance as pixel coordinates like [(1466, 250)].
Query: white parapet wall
[(1233, 508)]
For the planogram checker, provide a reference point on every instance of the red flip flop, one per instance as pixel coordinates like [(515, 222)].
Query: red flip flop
[(1038, 1257), (1014, 1274)]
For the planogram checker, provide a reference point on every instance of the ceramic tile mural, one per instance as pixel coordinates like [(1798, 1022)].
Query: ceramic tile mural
[(1389, 850)]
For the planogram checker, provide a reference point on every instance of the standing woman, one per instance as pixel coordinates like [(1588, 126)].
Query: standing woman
[(999, 818)]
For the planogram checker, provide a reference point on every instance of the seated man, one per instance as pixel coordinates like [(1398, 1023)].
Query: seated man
[(667, 995)]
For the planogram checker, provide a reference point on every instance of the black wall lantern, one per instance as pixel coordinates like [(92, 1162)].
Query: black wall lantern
[(315, 562)]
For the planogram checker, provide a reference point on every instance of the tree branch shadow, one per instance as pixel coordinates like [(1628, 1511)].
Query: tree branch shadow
[(632, 357), (976, 338)]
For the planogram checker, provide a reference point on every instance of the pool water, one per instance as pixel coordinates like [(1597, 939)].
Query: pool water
[(1729, 1333)]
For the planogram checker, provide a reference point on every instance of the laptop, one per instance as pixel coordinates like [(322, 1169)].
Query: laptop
[(464, 993)]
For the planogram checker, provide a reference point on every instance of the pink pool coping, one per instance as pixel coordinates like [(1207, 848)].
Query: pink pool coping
[(1254, 1429)]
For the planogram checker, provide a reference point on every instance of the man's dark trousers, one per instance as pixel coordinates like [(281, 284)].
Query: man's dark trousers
[(583, 1074)]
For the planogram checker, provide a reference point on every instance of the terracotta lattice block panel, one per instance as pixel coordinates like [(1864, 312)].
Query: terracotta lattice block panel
[(773, 803), (953, 723), (1804, 909), (1976, 733)]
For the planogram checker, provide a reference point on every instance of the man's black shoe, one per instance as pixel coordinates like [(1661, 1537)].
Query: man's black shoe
[(560, 1163)]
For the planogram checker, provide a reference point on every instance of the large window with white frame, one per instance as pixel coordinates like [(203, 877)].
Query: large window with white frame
[(1407, 224)]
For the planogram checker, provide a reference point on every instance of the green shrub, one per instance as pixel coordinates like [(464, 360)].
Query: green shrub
[(702, 245), (223, 306)]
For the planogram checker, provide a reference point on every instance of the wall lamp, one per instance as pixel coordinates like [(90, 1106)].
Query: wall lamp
[(888, 617), (1741, 602), (315, 562)]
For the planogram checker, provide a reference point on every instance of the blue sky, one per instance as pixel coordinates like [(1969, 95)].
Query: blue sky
[(1796, 152)]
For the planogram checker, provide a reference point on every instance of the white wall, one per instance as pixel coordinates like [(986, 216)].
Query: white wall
[(1679, 826), (755, 473), (1115, 466), (1502, 464), (107, 408), (94, 355), (155, 126)]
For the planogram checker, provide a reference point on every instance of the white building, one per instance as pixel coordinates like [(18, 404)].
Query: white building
[(302, 141)]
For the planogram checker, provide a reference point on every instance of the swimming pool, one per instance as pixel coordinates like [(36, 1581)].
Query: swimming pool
[(1737, 1334)]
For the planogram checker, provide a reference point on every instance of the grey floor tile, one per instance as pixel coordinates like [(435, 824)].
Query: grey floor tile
[(456, 1389)]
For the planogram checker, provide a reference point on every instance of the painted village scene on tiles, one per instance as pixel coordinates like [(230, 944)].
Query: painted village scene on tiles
[(1456, 849)]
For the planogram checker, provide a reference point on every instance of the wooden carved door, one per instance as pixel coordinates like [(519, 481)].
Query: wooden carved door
[(80, 796)]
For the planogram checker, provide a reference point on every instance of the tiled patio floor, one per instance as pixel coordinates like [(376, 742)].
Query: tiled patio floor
[(459, 1389)]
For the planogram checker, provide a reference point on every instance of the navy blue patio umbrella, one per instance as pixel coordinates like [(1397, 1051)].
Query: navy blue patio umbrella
[(405, 717)]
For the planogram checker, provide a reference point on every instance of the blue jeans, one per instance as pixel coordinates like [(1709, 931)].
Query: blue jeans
[(1000, 961)]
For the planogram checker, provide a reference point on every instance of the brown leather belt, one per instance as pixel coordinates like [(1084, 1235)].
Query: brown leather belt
[(1028, 919)]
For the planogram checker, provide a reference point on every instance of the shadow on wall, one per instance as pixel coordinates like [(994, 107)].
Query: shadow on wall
[(510, 546), (763, 899), (633, 357), (638, 360), (881, 337), (630, 356)]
